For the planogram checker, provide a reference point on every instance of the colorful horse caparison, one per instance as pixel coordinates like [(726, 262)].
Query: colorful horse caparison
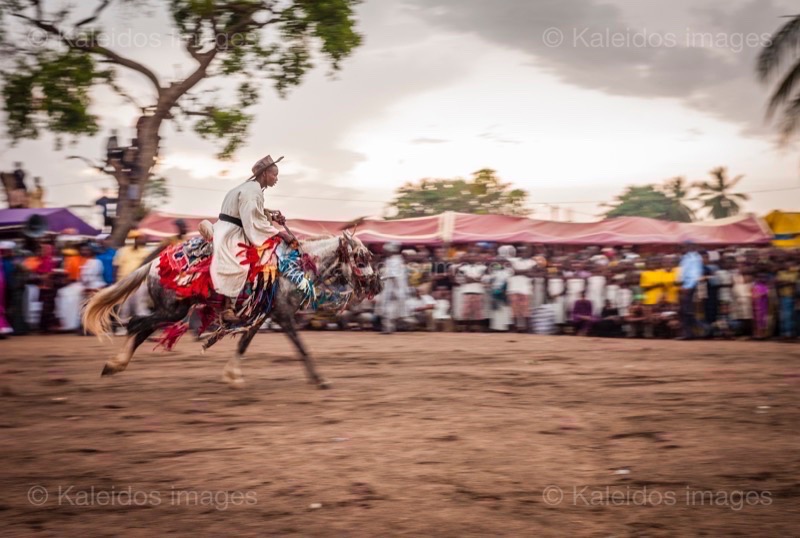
[(336, 269)]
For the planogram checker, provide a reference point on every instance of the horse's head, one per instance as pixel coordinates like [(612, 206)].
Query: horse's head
[(356, 267)]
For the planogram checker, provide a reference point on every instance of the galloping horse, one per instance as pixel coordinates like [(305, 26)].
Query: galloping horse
[(343, 260)]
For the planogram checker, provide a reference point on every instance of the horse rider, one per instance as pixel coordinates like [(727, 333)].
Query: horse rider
[(242, 219)]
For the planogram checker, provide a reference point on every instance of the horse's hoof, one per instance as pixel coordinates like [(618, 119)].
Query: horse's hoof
[(233, 379), (235, 383), (109, 370), (324, 384)]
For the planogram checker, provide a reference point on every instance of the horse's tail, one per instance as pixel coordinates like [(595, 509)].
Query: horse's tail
[(99, 311)]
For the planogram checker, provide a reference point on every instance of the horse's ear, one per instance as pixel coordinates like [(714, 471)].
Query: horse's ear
[(349, 236)]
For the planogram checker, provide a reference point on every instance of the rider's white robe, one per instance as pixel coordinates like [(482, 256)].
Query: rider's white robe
[(245, 202)]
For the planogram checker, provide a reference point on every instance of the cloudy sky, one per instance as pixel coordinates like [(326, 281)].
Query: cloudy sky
[(571, 100)]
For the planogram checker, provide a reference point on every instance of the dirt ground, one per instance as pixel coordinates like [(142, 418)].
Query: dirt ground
[(445, 434)]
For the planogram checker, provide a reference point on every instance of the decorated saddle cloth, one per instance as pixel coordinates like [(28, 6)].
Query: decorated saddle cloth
[(185, 269)]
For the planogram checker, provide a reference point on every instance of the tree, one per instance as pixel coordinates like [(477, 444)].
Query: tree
[(642, 201), (771, 60), (716, 196), (48, 84), (485, 194), (677, 191)]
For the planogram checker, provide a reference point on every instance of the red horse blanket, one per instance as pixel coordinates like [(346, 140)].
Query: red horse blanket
[(185, 268)]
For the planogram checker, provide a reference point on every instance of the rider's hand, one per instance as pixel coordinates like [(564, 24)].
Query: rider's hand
[(278, 217)]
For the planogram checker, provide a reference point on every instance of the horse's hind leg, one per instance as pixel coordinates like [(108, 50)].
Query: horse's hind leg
[(232, 373), (140, 329)]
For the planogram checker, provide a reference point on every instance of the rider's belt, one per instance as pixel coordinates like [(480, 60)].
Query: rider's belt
[(233, 220)]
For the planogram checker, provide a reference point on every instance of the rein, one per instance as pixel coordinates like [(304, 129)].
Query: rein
[(358, 283)]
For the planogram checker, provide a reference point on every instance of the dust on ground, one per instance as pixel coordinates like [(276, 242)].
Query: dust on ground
[(422, 434)]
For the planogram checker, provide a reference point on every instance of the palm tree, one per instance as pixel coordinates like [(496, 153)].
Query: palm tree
[(677, 190), (716, 195), (786, 96)]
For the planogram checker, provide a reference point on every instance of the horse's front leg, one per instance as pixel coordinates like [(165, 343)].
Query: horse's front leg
[(232, 373), (311, 371)]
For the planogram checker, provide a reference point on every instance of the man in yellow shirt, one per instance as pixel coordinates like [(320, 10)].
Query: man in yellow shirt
[(130, 257), (127, 260), (652, 282), (670, 279)]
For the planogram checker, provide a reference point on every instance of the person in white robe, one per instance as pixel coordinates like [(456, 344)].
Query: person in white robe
[(742, 306), (242, 219), (500, 272), (556, 290), (596, 289), (70, 298), (91, 278), (520, 290), (539, 284), (618, 292), (575, 284), (92, 275), (471, 277), (393, 300)]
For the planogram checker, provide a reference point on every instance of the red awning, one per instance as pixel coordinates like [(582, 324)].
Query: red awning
[(740, 230), (466, 228)]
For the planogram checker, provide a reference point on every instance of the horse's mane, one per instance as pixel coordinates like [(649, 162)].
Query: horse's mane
[(309, 241), (321, 246), (318, 237)]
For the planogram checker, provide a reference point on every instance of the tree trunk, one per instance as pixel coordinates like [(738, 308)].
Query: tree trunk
[(133, 183), (8, 185)]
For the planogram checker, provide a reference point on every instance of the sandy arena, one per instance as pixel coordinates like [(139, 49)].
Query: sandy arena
[(445, 434)]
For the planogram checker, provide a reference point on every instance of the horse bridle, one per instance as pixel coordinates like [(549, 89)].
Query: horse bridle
[(370, 286)]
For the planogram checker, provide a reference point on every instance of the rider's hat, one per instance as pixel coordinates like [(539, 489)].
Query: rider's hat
[(263, 164)]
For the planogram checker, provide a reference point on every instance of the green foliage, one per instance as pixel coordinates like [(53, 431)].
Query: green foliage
[(485, 194), (303, 28), (329, 21), (669, 202), (678, 190), (228, 125), (245, 41), (783, 46), (716, 196), (51, 92), (642, 201), (233, 28)]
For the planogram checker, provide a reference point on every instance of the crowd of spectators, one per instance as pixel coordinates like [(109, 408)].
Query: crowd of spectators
[(612, 292), (684, 293), (44, 282)]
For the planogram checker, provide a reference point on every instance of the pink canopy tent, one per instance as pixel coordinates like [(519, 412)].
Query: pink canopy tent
[(419, 231), (739, 230), (452, 227)]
